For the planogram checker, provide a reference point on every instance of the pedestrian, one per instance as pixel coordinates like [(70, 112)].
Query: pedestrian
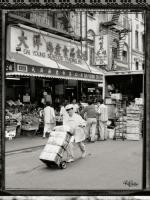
[(76, 124), (91, 115), (75, 106), (97, 118), (49, 119), (63, 112), (103, 118)]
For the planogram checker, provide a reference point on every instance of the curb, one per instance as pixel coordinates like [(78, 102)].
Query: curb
[(23, 150)]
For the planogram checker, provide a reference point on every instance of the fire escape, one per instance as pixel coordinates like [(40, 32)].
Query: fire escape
[(118, 28)]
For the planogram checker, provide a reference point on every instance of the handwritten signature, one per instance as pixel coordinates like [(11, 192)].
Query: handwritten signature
[(130, 183)]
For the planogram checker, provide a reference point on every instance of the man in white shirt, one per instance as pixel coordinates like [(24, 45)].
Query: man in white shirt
[(75, 106), (103, 118), (49, 119), (76, 124)]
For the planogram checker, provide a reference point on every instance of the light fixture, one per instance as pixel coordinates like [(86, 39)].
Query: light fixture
[(13, 78)]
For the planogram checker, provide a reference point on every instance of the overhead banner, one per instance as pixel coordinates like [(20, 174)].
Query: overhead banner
[(44, 71), (45, 45)]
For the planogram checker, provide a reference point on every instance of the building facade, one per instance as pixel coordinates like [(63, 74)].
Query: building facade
[(70, 52), (44, 52)]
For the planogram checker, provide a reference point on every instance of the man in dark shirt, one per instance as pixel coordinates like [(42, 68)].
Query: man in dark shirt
[(91, 115)]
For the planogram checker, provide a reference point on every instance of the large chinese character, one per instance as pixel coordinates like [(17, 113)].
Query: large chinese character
[(49, 47), (79, 54), (22, 39), (65, 51), (57, 50), (37, 41), (72, 53), (85, 55)]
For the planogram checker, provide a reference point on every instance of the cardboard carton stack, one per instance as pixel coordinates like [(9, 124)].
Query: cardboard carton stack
[(133, 123), (120, 129)]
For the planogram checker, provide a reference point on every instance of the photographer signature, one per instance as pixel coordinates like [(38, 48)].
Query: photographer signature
[(130, 183)]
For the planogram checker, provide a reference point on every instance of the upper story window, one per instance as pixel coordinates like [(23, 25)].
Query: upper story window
[(143, 66), (91, 44), (115, 48), (136, 39), (125, 53), (91, 13), (137, 65), (136, 15), (92, 55)]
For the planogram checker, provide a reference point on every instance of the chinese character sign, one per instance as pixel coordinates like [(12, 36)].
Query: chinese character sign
[(101, 50)]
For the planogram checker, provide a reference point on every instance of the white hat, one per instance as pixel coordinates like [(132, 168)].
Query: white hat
[(69, 106)]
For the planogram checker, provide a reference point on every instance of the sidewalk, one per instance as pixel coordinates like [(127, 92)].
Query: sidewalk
[(24, 142)]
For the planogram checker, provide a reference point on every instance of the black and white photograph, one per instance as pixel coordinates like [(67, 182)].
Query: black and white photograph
[(74, 100), (74, 198)]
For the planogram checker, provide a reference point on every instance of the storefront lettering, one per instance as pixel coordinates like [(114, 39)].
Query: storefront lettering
[(57, 50), (65, 51), (38, 53), (79, 54), (33, 69), (79, 61), (70, 74), (72, 53), (49, 47), (64, 73), (22, 39), (37, 41), (10, 67), (41, 70), (57, 72), (49, 71), (49, 56), (26, 51)]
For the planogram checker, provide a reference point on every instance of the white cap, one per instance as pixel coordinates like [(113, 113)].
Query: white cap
[(69, 106)]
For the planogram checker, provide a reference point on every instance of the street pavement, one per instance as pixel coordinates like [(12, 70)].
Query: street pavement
[(24, 142), (109, 165)]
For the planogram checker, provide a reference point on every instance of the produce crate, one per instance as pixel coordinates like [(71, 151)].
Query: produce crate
[(133, 136), (10, 131)]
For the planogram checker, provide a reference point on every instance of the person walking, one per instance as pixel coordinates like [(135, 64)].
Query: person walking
[(91, 115), (49, 119), (76, 124), (63, 112), (75, 106), (103, 118)]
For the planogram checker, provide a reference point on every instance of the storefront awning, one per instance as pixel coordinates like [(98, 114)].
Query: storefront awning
[(27, 65)]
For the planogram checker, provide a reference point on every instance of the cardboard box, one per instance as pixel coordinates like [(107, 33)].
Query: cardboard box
[(117, 96), (111, 133), (133, 137), (58, 141), (139, 101), (54, 149)]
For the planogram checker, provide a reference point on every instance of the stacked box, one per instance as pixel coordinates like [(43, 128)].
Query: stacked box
[(133, 123), (120, 128), (55, 147)]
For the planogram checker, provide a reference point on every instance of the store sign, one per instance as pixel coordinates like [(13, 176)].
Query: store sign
[(22, 68), (55, 72), (45, 45), (101, 57)]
